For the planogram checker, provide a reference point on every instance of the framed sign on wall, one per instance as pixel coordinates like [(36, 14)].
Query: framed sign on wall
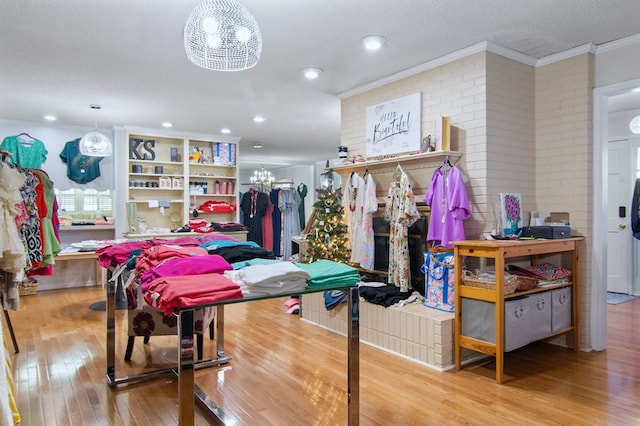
[(393, 127)]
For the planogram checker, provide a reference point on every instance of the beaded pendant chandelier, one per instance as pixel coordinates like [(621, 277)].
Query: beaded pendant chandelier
[(222, 35), (94, 143)]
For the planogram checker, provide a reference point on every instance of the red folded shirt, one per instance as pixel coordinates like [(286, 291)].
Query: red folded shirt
[(184, 291), (217, 207)]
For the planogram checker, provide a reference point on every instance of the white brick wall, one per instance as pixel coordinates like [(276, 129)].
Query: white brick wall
[(564, 156), (520, 129), (414, 332)]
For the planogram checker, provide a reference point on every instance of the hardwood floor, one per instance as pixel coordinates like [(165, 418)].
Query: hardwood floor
[(288, 372)]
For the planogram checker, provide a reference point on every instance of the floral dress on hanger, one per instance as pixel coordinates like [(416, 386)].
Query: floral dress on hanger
[(401, 212)]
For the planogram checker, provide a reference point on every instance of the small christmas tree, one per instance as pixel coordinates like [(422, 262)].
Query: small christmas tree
[(329, 237)]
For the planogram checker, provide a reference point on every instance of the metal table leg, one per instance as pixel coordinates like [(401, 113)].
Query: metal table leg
[(353, 357), (186, 381)]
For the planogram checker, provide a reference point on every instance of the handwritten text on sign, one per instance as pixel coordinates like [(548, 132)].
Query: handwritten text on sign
[(393, 127)]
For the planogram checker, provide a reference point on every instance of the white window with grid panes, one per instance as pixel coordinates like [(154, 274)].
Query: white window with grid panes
[(87, 203)]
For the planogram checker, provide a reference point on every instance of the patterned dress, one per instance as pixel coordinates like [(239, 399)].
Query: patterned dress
[(401, 212), (369, 206), (352, 202)]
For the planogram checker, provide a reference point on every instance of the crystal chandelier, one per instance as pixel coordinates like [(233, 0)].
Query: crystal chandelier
[(222, 35), (262, 177)]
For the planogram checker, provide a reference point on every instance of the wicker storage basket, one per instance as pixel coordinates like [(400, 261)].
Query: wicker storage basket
[(524, 283), (471, 280), (27, 288)]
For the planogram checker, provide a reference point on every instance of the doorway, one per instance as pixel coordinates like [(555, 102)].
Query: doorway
[(600, 202), (619, 189)]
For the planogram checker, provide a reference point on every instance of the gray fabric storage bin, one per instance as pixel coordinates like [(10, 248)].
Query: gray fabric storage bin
[(561, 309), (539, 320), (517, 312), (479, 320)]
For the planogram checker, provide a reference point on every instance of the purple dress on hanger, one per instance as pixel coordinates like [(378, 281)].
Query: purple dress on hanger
[(447, 197)]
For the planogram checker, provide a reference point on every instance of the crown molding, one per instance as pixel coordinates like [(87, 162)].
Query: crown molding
[(617, 44), (561, 56), (489, 46)]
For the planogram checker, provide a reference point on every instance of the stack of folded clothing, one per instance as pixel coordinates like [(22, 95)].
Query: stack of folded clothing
[(329, 273), (274, 278), (194, 265), (237, 251), (153, 256), (168, 293), (228, 226)]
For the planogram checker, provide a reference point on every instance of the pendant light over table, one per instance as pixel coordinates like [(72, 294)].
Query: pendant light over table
[(94, 143), (222, 35)]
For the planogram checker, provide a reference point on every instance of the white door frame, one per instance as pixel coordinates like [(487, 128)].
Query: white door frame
[(599, 226)]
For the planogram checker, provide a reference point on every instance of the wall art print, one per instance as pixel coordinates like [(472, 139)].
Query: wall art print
[(393, 127), (511, 208)]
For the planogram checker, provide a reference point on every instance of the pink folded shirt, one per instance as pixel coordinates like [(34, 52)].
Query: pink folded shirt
[(209, 264)]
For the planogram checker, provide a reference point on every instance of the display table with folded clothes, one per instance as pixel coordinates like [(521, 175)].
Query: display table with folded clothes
[(181, 276)]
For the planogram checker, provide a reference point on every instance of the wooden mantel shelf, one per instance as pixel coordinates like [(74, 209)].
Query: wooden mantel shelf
[(413, 161)]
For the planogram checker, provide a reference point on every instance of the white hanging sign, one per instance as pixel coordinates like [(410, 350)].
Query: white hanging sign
[(393, 127)]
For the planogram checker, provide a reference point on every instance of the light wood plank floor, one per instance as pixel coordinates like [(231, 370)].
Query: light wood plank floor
[(287, 372)]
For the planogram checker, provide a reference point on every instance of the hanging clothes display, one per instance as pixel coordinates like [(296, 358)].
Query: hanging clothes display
[(302, 193), (401, 212), (277, 220), (369, 207), (254, 206), (28, 224), (26, 151), (267, 226), (352, 201), (289, 201), (80, 168), (447, 197), (13, 254), (47, 213)]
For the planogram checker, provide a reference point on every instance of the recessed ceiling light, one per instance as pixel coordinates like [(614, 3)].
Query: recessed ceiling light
[(373, 42), (312, 73), (50, 117), (257, 145), (258, 119), (636, 90), (225, 131), (167, 124)]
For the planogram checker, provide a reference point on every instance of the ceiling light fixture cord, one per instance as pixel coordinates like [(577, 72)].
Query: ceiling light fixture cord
[(222, 35)]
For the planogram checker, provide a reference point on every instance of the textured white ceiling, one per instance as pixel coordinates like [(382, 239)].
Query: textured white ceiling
[(58, 57)]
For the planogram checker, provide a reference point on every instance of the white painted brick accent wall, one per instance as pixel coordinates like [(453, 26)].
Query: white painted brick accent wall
[(457, 90), (520, 129), (564, 156)]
